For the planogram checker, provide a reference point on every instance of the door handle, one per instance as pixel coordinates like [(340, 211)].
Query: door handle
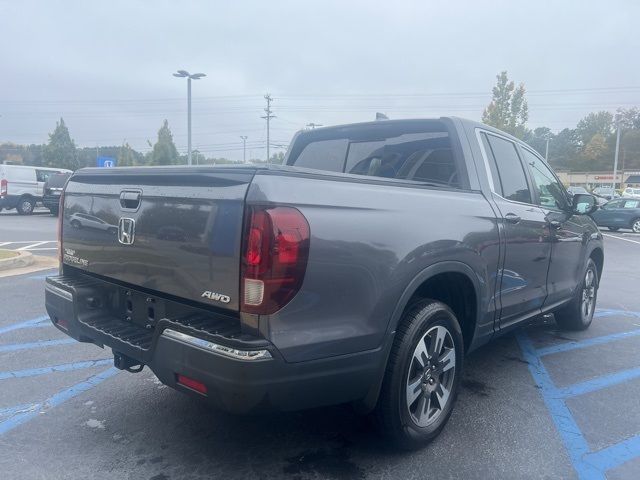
[(512, 218)]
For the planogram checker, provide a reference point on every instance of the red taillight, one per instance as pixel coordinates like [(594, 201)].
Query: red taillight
[(192, 384), (60, 217), (274, 261), (4, 187)]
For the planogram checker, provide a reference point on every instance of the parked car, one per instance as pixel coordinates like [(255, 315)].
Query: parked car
[(576, 190), (362, 270), (83, 220), (52, 189), (631, 192), (21, 187), (619, 213), (607, 193)]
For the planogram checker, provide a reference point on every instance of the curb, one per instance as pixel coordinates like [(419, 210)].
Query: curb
[(23, 259)]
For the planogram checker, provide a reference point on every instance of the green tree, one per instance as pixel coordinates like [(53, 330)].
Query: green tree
[(60, 152), (164, 151), (508, 109), (126, 156), (564, 148), (629, 118), (595, 123), (538, 138)]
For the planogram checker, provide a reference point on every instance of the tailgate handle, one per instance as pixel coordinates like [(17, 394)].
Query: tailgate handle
[(130, 199)]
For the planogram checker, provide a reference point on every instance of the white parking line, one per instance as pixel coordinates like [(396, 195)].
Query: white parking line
[(4, 243), (620, 238), (30, 246), (40, 249)]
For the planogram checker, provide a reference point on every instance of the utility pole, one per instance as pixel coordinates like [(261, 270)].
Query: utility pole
[(244, 148), (313, 125), (546, 151), (268, 118), (615, 161)]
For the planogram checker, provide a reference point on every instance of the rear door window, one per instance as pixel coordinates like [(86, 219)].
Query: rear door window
[(510, 170)]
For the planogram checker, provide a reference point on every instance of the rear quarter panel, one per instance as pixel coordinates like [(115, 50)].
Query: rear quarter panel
[(369, 240)]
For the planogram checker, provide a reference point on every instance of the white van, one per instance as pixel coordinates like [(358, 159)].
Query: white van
[(21, 187)]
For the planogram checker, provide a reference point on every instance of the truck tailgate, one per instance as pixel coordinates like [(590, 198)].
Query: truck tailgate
[(172, 230)]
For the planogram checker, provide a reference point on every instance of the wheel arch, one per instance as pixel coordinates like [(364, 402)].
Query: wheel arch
[(597, 255), (451, 273)]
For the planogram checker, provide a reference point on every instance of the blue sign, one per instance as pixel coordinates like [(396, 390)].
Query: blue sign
[(105, 162)]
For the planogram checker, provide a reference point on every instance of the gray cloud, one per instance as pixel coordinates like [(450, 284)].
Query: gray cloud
[(106, 67)]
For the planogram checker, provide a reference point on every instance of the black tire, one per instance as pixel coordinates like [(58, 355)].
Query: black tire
[(26, 205), (635, 225), (395, 413), (54, 211), (614, 229), (575, 315)]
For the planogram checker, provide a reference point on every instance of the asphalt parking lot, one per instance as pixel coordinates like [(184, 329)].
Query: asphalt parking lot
[(538, 403)]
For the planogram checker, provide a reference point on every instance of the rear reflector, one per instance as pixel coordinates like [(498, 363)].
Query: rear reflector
[(192, 384), (62, 323)]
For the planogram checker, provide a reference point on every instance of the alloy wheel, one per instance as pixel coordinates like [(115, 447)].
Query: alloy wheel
[(431, 376), (588, 294), (636, 226)]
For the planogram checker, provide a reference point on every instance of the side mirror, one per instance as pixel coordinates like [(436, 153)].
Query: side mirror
[(583, 204)]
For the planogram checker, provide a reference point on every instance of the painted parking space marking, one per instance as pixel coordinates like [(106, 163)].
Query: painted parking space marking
[(65, 367), (28, 245), (10, 411), (599, 383), (588, 464), (31, 345), (14, 416), (589, 342), (55, 400), (37, 322), (621, 238), (31, 245)]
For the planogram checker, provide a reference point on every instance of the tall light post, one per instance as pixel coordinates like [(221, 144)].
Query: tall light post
[(244, 148), (195, 76), (615, 158)]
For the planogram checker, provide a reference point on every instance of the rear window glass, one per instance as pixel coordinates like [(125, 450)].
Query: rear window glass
[(57, 180), (420, 156)]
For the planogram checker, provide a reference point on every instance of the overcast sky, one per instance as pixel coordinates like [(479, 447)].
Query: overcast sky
[(106, 66)]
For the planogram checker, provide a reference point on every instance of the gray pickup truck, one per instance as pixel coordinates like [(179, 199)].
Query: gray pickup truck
[(361, 271)]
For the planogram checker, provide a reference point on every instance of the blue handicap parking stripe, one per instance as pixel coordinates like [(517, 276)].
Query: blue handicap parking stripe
[(589, 342), (570, 433), (33, 323), (66, 367), (57, 399), (31, 345), (599, 383), (9, 411), (615, 455)]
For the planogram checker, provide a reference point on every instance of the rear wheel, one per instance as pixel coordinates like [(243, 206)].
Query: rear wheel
[(54, 211), (422, 376), (26, 205), (635, 225), (577, 315)]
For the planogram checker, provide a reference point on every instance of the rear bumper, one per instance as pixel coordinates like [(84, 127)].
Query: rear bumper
[(9, 201), (52, 202), (176, 346)]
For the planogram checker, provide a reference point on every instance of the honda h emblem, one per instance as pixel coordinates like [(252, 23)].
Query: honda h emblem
[(126, 231)]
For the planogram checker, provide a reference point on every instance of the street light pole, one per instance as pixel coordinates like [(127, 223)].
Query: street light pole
[(195, 76), (244, 148), (615, 160)]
